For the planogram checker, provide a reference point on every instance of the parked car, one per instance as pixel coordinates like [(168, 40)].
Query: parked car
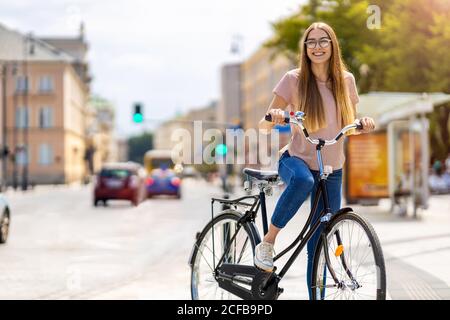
[(120, 181), (5, 219), (163, 181)]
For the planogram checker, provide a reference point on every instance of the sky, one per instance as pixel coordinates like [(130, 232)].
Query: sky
[(164, 54)]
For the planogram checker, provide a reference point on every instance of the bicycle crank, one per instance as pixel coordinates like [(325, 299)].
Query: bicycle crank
[(248, 282), (265, 286)]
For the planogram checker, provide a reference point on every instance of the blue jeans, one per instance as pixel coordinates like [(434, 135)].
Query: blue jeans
[(300, 182)]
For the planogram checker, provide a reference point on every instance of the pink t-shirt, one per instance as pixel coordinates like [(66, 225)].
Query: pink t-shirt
[(332, 155)]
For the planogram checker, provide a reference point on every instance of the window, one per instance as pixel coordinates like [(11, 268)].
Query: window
[(22, 156), (22, 117), (21, 84), (45, 154), (46, 117), (45, 84)]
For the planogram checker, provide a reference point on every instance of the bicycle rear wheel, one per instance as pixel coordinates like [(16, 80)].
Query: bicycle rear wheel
[(204, 285), (355, 257)]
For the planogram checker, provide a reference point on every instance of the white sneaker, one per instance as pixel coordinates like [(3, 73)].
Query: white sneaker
[(264, 256)]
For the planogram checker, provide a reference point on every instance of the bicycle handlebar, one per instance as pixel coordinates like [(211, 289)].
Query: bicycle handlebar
[(298, 117)]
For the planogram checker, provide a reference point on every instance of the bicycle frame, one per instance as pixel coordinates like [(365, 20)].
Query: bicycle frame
[(301, 240)]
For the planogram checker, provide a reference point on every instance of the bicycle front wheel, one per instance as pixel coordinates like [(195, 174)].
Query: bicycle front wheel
[(350, 265), (210, 247)]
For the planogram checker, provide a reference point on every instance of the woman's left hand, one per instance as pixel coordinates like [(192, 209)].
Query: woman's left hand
[(368, 125)]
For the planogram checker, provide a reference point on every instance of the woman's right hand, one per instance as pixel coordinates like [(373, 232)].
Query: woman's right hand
[(277, 116)]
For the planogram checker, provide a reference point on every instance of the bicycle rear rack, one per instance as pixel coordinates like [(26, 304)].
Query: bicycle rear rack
[(235, 202), (249, 214)]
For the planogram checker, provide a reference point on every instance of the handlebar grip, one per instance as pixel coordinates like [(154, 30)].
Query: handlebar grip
[(359, 126), (268, 117)]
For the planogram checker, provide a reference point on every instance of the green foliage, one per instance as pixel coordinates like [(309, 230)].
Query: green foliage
[(138, 146), (287, 36), (407, 45), (438, 46)]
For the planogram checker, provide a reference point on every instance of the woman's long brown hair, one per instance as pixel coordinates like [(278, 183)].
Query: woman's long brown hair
[(309, 96)]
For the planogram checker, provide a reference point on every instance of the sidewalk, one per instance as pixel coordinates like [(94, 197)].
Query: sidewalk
[(44, 188), (416, 251)]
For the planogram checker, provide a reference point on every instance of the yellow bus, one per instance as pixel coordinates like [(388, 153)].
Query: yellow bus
[(155, 159)]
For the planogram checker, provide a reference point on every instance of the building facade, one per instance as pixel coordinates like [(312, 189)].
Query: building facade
[(181, 132), (47, 91), (229, 108), (259, 75)]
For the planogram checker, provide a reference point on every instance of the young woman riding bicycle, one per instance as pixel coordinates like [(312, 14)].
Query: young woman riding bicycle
[(323, 89)]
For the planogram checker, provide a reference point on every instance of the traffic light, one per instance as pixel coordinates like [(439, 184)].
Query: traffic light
[(137, 115), (221, 149)]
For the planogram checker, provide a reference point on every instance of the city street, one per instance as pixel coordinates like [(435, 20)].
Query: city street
[(61, 247)]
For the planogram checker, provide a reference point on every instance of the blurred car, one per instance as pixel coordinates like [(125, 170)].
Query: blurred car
[(5, 219), (120, 181), (190, 172), (163, 181), (157, 158)]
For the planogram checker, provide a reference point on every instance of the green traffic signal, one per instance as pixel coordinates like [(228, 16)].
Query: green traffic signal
[(221, 149), (138, 118)]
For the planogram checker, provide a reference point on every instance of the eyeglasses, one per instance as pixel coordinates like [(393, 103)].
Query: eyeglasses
[(323, 43)]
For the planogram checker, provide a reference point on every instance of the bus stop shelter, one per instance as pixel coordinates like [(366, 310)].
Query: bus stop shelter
[(393, 161)]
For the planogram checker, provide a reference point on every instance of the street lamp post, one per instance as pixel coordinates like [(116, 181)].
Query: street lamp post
[(4, 138), (27, 50), (15, 132)]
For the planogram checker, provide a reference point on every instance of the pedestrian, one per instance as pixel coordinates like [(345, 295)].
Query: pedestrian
[(323, 89)]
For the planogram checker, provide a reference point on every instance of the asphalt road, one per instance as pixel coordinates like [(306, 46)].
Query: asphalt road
[(61, 247)]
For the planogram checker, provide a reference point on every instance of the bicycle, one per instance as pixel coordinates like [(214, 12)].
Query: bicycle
[(348, 259)]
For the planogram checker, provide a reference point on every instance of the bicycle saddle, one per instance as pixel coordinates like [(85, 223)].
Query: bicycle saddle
[(270, 176)]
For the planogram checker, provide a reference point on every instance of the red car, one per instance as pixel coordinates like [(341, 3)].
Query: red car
[(120, 181)]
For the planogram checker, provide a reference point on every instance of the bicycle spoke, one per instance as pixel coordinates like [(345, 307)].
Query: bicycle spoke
[(205, 246), (359, 241), (204, 258), (331, 294), (364, 275), (350, 247), (365, 257)]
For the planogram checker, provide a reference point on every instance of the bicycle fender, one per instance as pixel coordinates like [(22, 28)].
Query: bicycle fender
[(340, 212)]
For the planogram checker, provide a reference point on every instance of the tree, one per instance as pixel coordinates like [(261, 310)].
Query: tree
[(438, 45), (410, 52), (138, 146)]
